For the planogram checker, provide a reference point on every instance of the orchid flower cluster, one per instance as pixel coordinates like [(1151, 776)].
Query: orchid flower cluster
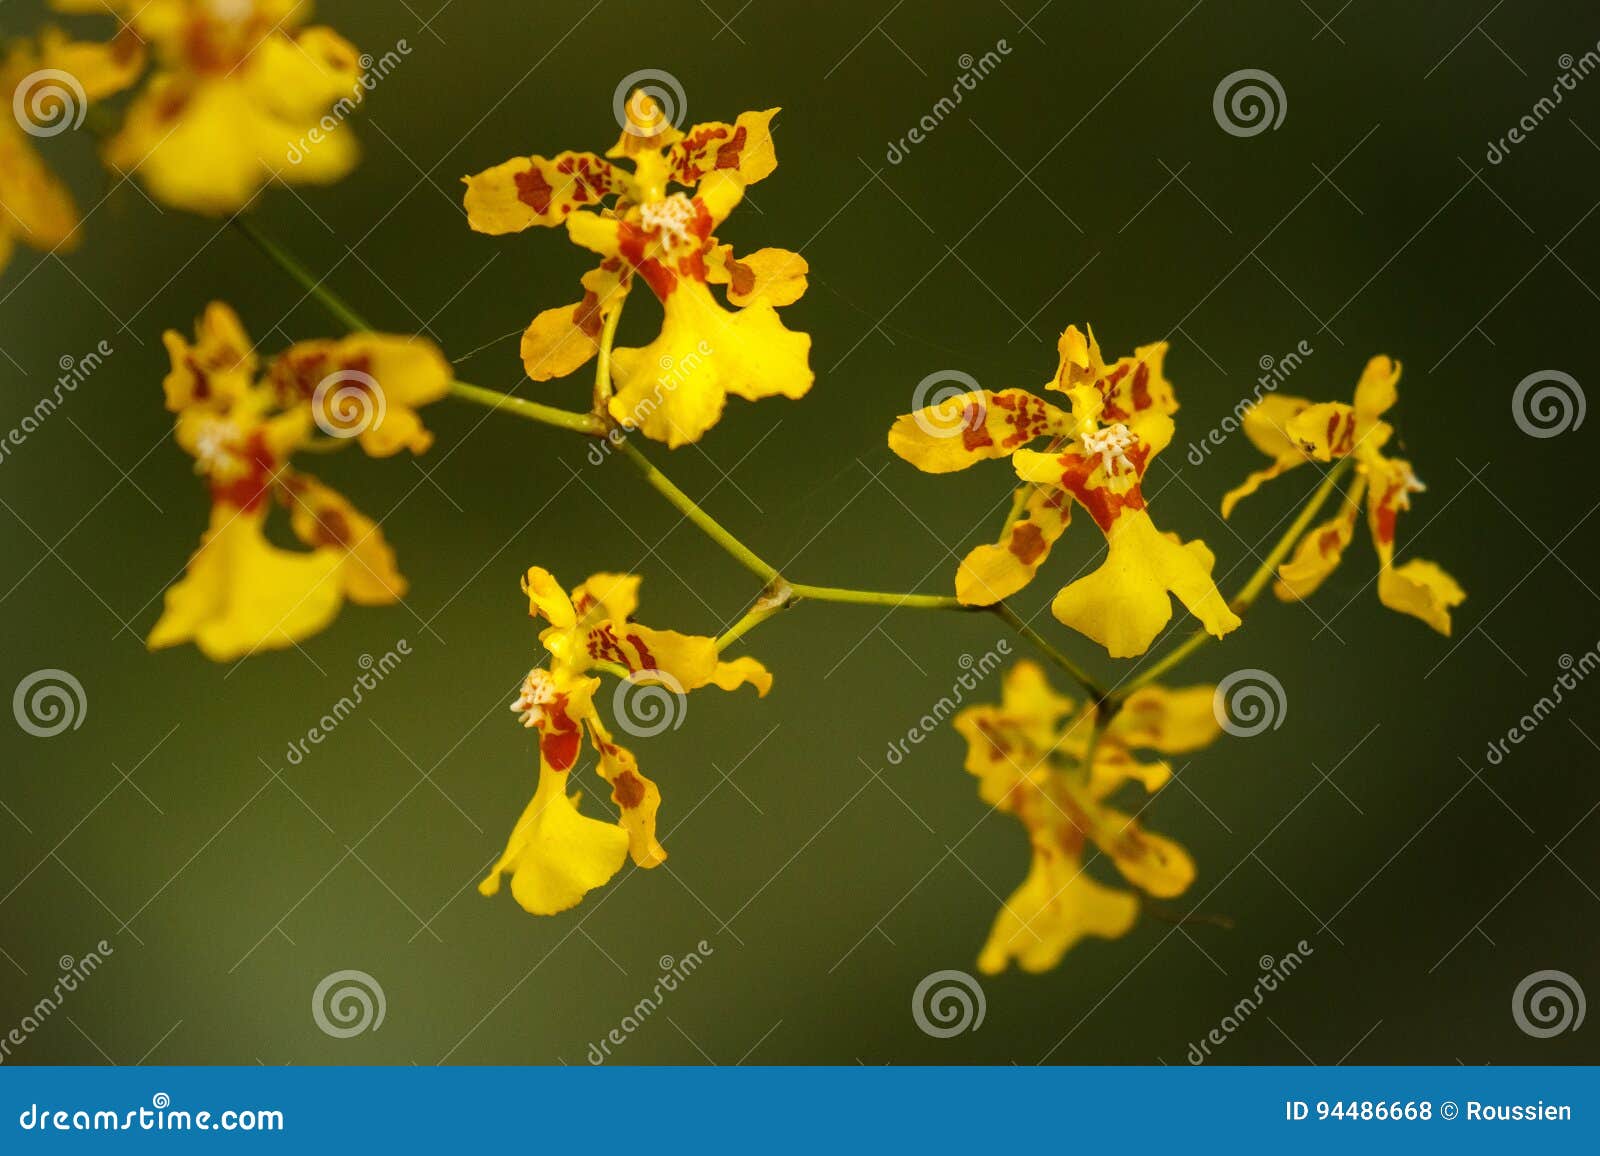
[(232, 85)]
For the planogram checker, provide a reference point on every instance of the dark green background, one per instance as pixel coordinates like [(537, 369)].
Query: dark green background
[(1426, 893)]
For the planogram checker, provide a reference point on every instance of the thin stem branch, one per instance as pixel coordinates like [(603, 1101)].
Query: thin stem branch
[(880, 598), (549, 415), (690, 509), (1017, 623), (326, 297), (1269, 565), (602, 362), (1178, 918), (775, 601), (584, 423), (1252, 589), (1103, 715)]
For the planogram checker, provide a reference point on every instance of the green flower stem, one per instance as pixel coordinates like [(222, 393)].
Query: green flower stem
[(799, 591), (1252, 589), (690, 509), (347, 316), (774, 601), (1176, 918), (1083, 678), (1097, 730), (566, 419), (1019, 499), (326, 297), (602, 362), (1269, 565), (879, 598)]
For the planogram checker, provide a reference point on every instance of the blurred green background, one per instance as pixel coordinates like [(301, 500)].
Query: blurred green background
[(1084, 179)]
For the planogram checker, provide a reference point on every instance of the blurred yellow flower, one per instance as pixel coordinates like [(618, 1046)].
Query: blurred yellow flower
[(366, 385), (1028, 756), (50, 83), (675, 387), (242, 93), (1097, 457), (555, 855), (1292, 431), (241, 593)]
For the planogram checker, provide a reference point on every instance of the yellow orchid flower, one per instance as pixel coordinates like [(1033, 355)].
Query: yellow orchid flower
[(325, 519), (366, 385), (1292, 431), (1028, 756), (35, 207), (241, 93), (240, 593), (555, 855), (216, 370), (50, 83), (674, 388), (1098, 452)]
